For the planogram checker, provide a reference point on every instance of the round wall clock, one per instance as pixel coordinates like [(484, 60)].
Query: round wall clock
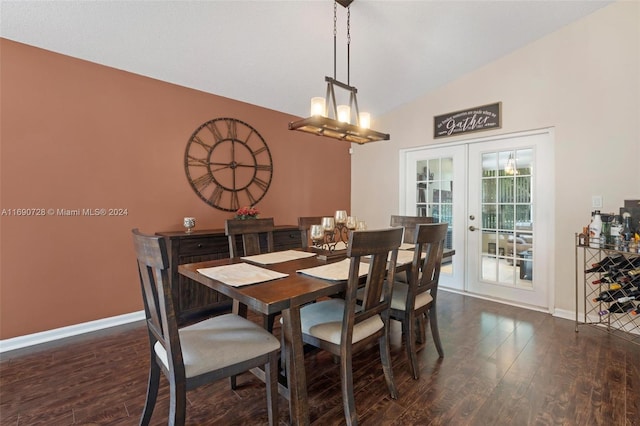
[(228, 164)]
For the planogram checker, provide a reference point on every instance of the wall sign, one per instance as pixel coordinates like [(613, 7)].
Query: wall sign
[(486, 117)]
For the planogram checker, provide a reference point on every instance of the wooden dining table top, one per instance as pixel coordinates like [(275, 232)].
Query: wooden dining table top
[(274, 296), (270, 296)]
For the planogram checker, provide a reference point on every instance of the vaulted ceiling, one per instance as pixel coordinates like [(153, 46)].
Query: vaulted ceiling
[(275, 54)]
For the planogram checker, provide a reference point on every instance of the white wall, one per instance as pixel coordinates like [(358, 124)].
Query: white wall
[(583, 80)]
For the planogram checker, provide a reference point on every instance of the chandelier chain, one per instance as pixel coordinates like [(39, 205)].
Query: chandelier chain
[(348, 44), (335, 33)]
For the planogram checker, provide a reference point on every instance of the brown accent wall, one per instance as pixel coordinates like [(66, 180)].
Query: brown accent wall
[(77, 135)]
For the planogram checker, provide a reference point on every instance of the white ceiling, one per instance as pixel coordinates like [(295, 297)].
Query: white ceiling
[(275, 54)]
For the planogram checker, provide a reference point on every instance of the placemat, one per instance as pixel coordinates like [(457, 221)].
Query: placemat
[(239, 274), (278, 257)]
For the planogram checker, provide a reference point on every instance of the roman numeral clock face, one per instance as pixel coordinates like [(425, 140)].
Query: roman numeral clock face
[(228, 164)]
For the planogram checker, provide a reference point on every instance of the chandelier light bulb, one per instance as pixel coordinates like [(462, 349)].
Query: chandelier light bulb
[(344, 113), (318, 107), (365, 120)]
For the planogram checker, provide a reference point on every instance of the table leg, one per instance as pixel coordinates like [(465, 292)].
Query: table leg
[(296, 376)]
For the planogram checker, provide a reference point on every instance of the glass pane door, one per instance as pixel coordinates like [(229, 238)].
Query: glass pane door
[(435, 183), (510, 218), (434, 194), (507, 226)]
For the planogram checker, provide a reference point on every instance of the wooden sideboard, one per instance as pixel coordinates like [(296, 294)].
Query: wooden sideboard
[(194, 300)]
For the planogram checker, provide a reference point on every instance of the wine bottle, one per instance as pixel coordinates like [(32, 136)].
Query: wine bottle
[(618, 308), (627, 299), (626, 226), (604, 280), (604, 263), (631, 263), (634, 272), (609, 295), (616, 228)]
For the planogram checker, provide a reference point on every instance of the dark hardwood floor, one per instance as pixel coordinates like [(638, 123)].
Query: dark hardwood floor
[(502, 366)]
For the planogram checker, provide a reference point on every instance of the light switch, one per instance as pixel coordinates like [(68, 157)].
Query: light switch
[(596, 201)]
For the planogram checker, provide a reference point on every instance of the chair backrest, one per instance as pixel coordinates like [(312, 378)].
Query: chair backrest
[(425, 273), (153, 269), (250, 230), (381, 249), (304, 224), (410, 223)]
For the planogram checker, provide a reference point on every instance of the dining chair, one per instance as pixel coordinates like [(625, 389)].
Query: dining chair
[(410, 223), (344, 327), (304, 224), (416, 299), (250, 231), (209, 350)]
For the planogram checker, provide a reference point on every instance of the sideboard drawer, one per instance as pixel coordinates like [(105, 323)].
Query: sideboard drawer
[(204, 246)]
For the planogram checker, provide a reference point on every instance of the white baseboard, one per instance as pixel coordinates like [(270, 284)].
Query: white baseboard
[(563, 313), (72, 330)]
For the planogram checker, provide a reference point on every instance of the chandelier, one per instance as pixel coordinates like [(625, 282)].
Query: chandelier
[(511, 167), (337, 123)]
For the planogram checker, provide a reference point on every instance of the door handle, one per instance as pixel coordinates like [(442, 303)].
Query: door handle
[(472, 228)]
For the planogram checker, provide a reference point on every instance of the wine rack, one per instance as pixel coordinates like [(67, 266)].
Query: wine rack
[(594, 312)]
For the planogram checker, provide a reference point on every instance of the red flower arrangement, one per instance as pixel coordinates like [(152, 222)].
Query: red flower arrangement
[(247, 213)]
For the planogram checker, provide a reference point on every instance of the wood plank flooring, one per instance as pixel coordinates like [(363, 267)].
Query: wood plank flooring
[(502, 366)]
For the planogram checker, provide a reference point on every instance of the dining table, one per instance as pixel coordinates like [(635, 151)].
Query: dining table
[(285, 294)]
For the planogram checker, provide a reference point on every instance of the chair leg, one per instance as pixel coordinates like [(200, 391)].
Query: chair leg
[(271, 381), (177, 402), (421, 329), (348, 401), (385, 358), (232, 382), (152, 393), (433, 319), (410, 345)]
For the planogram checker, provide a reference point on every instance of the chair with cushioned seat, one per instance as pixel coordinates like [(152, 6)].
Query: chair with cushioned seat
[(344, 326), (207, 351), (421, 291)]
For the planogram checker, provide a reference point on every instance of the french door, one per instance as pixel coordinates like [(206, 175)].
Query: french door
[(436, 182), (497, 196)]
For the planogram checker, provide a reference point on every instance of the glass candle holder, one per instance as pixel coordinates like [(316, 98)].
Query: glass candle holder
[(316, 233), (328, 223), (341, 216), (352, 221)]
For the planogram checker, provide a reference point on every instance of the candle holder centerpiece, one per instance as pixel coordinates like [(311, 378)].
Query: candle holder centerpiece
[(333, 233)]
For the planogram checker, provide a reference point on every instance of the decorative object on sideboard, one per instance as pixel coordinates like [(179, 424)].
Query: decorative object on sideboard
[(247, 212), (189, 223), (338, 124)]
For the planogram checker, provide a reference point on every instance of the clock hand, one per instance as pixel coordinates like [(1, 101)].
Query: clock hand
[(219, 168)]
